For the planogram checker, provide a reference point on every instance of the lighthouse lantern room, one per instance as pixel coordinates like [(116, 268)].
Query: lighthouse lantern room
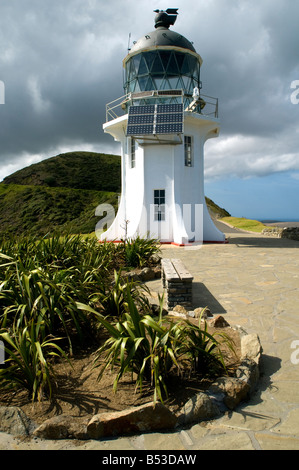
[(162, 123)]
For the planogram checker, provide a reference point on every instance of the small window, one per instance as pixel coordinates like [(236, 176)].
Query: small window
[(188, 149), (132, 153), (159, 204)]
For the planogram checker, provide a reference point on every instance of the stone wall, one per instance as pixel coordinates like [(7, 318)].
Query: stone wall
[(287, 232), (178, 293)]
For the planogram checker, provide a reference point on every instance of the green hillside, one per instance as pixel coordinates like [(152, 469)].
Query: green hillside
[(78, 170), (40, 209), (62, 193)]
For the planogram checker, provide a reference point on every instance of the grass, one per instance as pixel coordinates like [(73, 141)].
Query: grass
[(245, 224)]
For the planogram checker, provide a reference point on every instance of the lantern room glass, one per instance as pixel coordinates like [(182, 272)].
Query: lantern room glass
[(162, 70)]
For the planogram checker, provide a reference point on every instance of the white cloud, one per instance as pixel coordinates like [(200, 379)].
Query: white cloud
[(40, 104)]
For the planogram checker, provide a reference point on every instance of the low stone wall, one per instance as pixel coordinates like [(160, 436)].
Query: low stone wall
[(179, 292), (291, 233), (177, 282)]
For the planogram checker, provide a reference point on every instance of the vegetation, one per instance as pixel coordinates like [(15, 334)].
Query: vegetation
[(216, 211), (245, 224), (152, 348), (57, 293), (77, 170)]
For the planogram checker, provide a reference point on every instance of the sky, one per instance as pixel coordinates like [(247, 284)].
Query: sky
[(61, 62)]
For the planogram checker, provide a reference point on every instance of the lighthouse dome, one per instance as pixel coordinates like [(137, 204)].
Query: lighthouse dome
[(162, 60), (162, 37)]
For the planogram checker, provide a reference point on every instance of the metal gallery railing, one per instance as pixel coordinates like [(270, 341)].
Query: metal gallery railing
[(204, 105)]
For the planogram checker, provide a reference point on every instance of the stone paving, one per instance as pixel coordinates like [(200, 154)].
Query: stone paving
[(253, 281)]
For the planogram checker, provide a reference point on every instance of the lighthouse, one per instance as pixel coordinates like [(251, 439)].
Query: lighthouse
[(162, 123)]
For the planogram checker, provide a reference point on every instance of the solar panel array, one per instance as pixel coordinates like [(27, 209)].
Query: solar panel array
[(155, 119)]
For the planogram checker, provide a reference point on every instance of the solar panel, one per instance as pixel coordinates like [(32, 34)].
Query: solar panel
[(143, 109), (140, 119), (174, 117), (176, 128), (170, 108), (140, 130), (155, 119)]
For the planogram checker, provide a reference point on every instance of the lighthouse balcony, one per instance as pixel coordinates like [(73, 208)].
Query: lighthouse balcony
[(200, 104)]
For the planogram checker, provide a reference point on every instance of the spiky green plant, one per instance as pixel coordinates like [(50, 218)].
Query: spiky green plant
[(139, 344), (27, 364), (204, 349), (138, 250)]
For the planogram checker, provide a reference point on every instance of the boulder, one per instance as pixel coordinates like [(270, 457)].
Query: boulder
[(218, 322), (14, 421), (147, 274), (234, 390), (205, 312), (251, 347), (180, 309), (62, 427), (199, 408), (248, 371), (144, 418)]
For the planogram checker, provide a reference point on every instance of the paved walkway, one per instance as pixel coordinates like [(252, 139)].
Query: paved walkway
[(253, 281)]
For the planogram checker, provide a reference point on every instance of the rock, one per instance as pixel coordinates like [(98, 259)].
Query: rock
[(249, 372), (62, 427), (199, 408), (251, 347), (180, 309), (157, 271), (144, 418), (234, 390), (131, 276), (172, 313), (191, 313), (14, 421), (219, 322), (147, 274), (205, 312), (155, 258)]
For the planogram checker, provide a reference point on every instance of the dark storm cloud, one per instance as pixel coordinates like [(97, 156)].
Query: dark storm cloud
[(61, 62)]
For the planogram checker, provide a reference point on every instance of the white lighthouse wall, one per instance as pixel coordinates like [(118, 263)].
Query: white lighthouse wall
[(161, 166), (158, 168)]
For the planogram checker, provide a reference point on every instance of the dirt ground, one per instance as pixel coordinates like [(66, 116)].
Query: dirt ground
[(78, 392)]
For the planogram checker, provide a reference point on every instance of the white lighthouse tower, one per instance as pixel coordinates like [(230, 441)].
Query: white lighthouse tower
[(162, 123)]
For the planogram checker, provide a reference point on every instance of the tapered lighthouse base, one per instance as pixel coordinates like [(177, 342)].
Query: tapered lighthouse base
[(162, 194)]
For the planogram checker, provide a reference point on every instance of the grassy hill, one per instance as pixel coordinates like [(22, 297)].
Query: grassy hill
[(61, 194), (78, 170)]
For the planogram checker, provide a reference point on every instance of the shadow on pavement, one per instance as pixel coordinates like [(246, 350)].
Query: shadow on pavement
[(202, 297), (262, 242)]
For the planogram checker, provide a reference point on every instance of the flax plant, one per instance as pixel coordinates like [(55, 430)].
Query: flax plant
[(141, 345), (28, 360)]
